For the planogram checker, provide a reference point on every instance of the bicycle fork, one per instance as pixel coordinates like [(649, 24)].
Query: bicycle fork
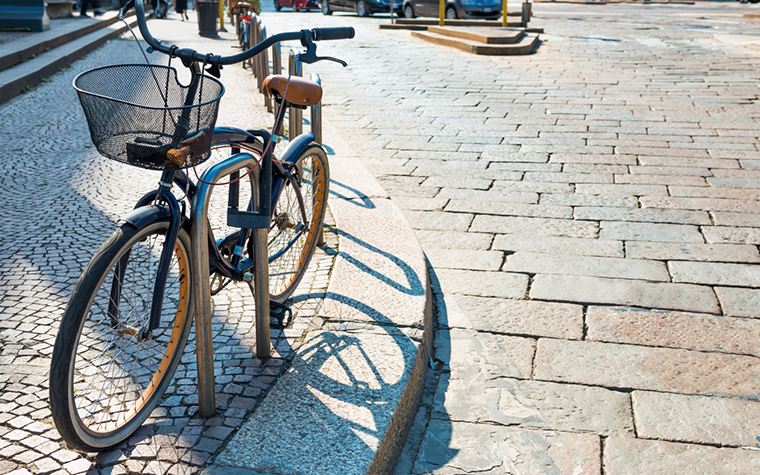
[(164, 195)]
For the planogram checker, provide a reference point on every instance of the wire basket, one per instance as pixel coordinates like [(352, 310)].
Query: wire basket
[(141, 115)]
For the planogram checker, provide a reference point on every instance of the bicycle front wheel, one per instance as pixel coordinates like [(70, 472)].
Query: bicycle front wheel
[(291, 239), (107, 373)]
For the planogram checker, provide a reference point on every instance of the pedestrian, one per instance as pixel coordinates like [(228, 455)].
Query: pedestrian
[(181, 8), (95, 8)]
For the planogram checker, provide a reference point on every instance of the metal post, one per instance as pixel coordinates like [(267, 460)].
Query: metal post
[(277, 69), (504, 13), (263, 69), (295, 118), (442, 11), (316, 130), (316, 114), (201, 289), (261, 291)]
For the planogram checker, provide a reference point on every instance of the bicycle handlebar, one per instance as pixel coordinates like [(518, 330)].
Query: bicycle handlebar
[(188, 55)]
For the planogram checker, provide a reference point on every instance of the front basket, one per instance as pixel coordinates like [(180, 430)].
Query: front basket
[(141, 115)]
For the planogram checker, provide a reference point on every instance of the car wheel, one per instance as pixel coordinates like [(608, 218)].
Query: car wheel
[(277, 5), (295, 6), (326, 7), (451, 13), (408, 11), (361, 8)]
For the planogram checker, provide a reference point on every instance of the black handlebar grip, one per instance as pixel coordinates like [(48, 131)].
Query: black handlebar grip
[(343, 33)]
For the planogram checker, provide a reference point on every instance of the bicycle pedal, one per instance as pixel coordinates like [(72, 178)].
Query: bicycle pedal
[(278, 311)]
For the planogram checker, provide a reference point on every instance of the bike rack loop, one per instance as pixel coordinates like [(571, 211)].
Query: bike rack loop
[(201, 288)]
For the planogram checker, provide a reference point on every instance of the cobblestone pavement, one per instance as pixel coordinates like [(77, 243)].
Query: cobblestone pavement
[(591, 216), (61, 202)]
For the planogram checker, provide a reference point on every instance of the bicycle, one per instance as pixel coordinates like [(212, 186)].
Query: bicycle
[(129, 316)]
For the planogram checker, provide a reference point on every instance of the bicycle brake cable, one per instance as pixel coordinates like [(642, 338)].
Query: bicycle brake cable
[(277, 121)]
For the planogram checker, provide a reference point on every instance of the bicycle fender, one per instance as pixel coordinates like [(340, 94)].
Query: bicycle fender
[(296, 146), (146, 215)]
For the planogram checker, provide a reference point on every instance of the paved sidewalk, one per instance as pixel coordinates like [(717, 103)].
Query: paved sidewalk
[(349, 359), (590, 214)]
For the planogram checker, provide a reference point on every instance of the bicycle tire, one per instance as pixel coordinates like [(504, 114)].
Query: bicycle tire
[(312, 173), (91, 352)]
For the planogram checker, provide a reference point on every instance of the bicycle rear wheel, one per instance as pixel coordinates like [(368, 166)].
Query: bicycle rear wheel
[(291, 240), (107, 376)]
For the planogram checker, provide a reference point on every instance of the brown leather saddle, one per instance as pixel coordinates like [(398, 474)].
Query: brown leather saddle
[(300, 92)]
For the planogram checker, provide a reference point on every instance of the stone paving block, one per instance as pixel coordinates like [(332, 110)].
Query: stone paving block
[(563, 177), (739, 302), (465, 352), (509, 209), (439, 221), (712, 192), (583, 199), (622, 189), (670, 329), (521, 317), (535, 186), (538, 263), (653, 232), (531, 404), (529, 197), (720, 182), (696, 419), (577, 454), (611, 159), (711, 204), (671, 180), (654, 170), (625, 456), (715, 273), (679, 162), (595, 290), (534, 226), (454, 240), (691, 252), (724, 234), (559, 245), (483, 284), (456, 448), (642, 215), (460, 182), (722, 218), (465, 259), (653, 369)]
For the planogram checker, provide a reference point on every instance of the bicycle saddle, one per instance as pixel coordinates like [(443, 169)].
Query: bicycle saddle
[(301, 92)]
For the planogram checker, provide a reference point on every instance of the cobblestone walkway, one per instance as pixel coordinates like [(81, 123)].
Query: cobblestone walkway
[(591, 216), (61, 202)]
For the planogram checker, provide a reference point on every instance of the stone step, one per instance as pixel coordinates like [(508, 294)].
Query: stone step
[(525, 45), (488, 35), (27, 74), (23, 49)]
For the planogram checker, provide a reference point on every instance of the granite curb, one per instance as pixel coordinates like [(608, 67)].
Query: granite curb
[(377, 315)]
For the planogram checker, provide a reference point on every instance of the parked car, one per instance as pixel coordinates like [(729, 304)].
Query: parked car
[(361, 7), (480, 9), (296, 5)]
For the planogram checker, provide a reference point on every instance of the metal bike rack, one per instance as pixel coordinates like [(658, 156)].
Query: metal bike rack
[(201, 287), (316, 113), (295, 117), (276, 69)]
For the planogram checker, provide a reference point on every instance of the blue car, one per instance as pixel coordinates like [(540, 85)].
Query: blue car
[(470, 9)]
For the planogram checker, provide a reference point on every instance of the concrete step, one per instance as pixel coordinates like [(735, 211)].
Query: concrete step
[(526, 45), (488, 35), (27, 61)]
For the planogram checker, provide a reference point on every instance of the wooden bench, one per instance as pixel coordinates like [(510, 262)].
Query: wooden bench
[(60, 8)]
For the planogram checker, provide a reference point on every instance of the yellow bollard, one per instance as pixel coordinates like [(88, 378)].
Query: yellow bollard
[(504, 13), (221, 16), (441, 12)]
